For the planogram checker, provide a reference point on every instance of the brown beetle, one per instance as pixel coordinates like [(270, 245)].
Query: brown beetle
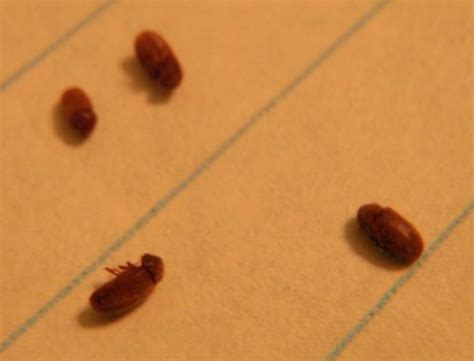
[(156, 56), (78, 110), (390, 231), (132, 286)]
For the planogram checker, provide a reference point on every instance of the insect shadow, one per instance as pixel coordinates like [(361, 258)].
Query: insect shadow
[(63, 128), (364, 247), (141, 81), (89, 318)]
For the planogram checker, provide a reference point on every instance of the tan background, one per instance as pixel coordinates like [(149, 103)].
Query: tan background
[(263, 259)]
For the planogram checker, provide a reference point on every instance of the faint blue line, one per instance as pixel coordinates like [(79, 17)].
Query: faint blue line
[(54, 45), (174, 192), (382, 302)]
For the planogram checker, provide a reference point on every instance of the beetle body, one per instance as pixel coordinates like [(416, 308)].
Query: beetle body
[(390, 231), (156, 56), (132, 286), (78, 110)]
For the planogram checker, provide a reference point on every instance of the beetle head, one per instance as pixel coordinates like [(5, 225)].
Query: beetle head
[(367, 214), (154, 265)]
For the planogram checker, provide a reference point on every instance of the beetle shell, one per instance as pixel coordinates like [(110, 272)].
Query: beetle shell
[(156, 56), (132, 286), (78, 110), (390, 231)]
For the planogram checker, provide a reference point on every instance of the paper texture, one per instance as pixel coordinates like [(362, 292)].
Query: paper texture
[(263, 258)]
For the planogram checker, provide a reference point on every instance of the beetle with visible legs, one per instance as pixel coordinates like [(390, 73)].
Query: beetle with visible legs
[(131, 286)]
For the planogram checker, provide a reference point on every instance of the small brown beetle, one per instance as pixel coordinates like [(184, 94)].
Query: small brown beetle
[(391, 232), (132, 286), (78, 110), (156, 56)]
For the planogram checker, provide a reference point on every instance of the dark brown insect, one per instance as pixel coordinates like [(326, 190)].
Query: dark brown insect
[(78, 110), (390, 231), (132, 286), (156, 56)]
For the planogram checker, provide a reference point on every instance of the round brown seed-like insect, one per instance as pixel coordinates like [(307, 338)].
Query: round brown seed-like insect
[(390, 231), (78, 110), (132, 286), (156, 56)]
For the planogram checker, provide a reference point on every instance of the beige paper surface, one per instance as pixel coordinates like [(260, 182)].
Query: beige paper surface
[(263, 258)]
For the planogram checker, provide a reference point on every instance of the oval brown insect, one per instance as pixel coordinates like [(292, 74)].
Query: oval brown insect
[(132, 286), (391, 232), (156, 56), (78, 110)]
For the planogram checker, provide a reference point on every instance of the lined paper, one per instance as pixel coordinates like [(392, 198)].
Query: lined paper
[(245, 180)]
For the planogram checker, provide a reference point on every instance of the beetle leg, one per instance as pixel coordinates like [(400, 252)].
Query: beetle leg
[(127, 266), (114, 271)]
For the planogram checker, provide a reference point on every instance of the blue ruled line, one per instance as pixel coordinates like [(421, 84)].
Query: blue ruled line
[(201, 168), (11, 79), (382, 302)]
